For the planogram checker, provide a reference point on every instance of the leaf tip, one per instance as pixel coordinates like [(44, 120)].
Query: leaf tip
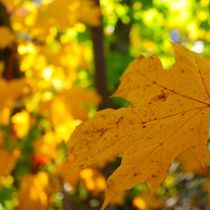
[(105, 203)]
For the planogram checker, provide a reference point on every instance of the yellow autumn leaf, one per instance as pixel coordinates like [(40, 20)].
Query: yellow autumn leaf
[(14, 89), (33, 192), (66, 109), (89, 12), (64, 14), (168, 114), (71, 103), (70, 178), (189, 163), (8, 160), (78, 100), (48, 146), (5, 115), (6, 37), (60, 117), (21, 123)]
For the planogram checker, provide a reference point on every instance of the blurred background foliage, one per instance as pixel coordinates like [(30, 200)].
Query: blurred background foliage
[(53, 78)]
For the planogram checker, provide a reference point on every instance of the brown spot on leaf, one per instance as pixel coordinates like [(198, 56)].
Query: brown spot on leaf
[(162, 96), (101, 131), (154, 175)]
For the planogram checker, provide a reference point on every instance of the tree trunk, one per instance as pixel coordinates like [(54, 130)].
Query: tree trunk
[(8, 55), (99, 61)]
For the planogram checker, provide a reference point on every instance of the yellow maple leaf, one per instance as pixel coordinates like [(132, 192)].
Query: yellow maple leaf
[(189, 163), (33, 193), (66, 109), (21, 123), (70, 178), (89, 12), (5, 115), (6, 37), (64, 14), (47, 146), (60, 117), (12, 90), (8, 160), (168, 114), (78, 99)]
